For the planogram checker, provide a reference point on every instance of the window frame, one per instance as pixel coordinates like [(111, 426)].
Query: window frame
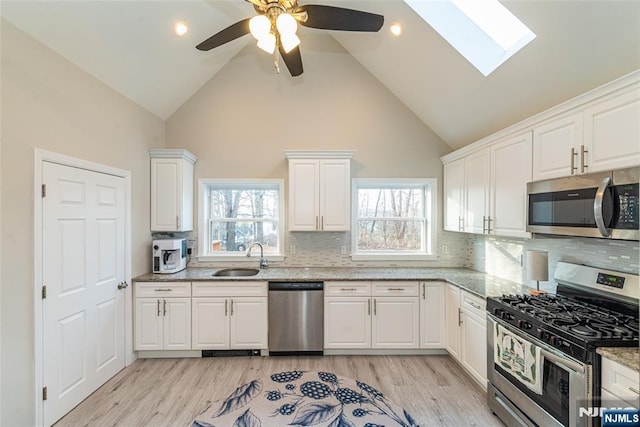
[(429, 240), (204, 185)]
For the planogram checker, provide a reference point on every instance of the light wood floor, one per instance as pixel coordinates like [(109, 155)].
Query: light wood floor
[(172, 392)]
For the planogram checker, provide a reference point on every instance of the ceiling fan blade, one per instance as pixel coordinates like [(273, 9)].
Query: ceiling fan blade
[(293, 60), (338, 18), (230, 33)]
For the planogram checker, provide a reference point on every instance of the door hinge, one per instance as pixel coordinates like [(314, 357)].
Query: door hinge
[(44, 393), (44, 292), (44, 190)]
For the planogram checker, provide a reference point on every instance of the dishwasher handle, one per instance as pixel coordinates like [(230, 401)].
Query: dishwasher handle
[(296, 286)]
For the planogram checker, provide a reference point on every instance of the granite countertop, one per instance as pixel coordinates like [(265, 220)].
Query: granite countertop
[(626, 356), (473, 281)]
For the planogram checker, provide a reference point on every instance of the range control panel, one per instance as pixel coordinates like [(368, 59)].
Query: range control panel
[(610, 280)]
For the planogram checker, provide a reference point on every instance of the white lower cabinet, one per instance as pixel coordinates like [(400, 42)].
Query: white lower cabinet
[(363, 315), (432, 315), (229, 315), (162, 322), (620, 384), (452, 312)]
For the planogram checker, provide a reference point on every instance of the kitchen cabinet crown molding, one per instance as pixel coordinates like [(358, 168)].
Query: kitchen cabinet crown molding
[(321, 154), (626, 82), (173, 153)]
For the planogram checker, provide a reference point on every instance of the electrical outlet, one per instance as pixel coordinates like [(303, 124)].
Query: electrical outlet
[(191, 243), (445, 249), (343, 250), (292, 250)]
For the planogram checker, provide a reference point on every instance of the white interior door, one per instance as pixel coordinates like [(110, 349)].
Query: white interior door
[(83, 232)]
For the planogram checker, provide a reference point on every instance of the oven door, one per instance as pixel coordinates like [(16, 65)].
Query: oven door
[(566, 383)]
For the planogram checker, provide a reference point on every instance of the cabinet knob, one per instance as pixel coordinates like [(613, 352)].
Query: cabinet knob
[(123, 285)]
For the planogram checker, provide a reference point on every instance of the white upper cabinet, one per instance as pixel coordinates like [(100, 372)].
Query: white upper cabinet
[(476, 192), (510, 172), (454, 195), (319, 190), (612, 131), (556, 147), (172, 190), (601, 135)]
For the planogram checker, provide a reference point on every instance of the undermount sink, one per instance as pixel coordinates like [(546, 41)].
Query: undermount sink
[(236, 272)]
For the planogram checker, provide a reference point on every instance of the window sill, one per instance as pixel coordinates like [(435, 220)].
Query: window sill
[(394, 257), (237, 258)]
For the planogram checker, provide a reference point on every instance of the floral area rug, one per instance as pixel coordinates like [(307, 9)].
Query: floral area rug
[(298, 398)]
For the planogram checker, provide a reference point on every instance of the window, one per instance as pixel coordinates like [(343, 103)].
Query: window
[(393, 219), (236, 213), (483, 31)]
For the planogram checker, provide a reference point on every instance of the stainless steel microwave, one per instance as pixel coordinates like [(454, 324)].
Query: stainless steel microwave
[(603, 204)]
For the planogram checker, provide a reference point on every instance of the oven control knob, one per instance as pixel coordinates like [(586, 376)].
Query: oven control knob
[(507, 316), (497, 312), (540, 333), (156, 247), (523, 324)]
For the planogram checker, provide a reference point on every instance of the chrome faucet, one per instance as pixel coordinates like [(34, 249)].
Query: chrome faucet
[(263, 261)]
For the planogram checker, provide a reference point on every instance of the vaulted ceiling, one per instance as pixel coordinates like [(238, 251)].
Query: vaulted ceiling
[(130, 46)]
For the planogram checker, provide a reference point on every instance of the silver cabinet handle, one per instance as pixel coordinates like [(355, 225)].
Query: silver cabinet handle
[(158, 305), (225, 307), (489, 224), (597, 207), (635, 390), (460, 223), (348, 289), (459, 316), (123, 285), (164, 307), (484, 220), (573, 161), (369, 304), (395, 289), (375, 307), (477, 307), (322, 222), (163, 290), (316, 222), (231, 305), (583, 164), (424, 291)]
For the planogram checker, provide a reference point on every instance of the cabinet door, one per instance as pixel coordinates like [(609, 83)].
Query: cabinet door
[(432, 318), (335, 195), (166, 194), (304, 185), (476, 188), (473, 346), (510, 172), (454, 195), (148, 324), (552, 144), (452, 311), (347, 322), (395, 322), (209, 323), (249, 318), (612, 131), (177, 323)]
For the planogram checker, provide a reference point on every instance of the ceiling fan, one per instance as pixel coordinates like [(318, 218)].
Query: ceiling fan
[(276, 24)]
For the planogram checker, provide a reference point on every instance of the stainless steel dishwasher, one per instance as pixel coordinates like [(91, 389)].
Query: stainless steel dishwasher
[(296, 318)]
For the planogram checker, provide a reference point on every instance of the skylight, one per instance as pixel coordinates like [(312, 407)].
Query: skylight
[(484, 31)]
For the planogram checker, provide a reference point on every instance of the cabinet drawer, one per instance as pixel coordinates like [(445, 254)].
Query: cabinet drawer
[(621, 381), (407, 289), (163, 289), (230, 289), (347, 288), (473, 304)]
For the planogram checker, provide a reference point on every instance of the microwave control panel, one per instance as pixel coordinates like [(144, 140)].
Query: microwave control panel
[(627, 196)]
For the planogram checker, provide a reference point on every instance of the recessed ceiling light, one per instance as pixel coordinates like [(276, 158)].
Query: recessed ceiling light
[(396, 29), (180, 28)]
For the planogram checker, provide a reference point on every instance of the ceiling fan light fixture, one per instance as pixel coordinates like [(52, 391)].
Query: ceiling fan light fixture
[(267, 43), (259, 26), (286, 24), (289, 42)]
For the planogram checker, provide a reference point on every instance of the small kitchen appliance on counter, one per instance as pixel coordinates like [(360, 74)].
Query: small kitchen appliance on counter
[(169, 255), (542, 364)]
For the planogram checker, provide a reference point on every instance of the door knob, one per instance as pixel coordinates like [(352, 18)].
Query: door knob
[(122, 285)]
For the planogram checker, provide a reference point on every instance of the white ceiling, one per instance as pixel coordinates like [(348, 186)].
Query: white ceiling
[(129, 45)]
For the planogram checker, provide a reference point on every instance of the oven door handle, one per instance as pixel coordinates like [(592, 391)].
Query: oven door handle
[(562, 362), (597, 207)]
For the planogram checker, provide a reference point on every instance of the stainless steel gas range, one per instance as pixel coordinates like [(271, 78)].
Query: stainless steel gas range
[(542, 361)]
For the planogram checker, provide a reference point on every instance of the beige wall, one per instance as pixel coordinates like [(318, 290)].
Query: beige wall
[(49, 103), (240, 122)]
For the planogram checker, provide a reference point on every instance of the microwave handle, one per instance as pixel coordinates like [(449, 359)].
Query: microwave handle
[(597, 207)]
